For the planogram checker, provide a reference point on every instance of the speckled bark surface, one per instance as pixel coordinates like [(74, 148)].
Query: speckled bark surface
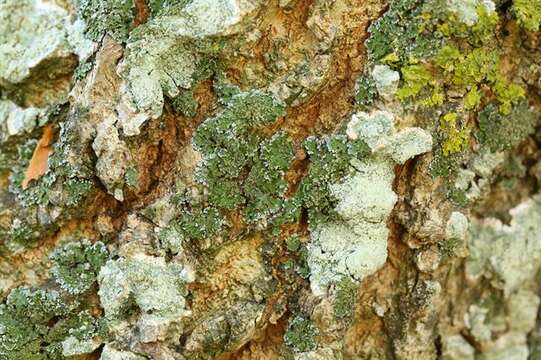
[(284, 179)]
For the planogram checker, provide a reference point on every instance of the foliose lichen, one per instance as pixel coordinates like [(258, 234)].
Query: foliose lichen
[(301, 334), (34, 324), (76, 265), (354, 242)]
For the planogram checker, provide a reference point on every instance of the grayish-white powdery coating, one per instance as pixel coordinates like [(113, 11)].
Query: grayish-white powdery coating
[(158, 63), (15, 120), (386, 80), (467, 9), (109, 353), (457, 226), (32, 31), (155, 286), (455, 347), (73, 346), (509, 255), (355, 245)]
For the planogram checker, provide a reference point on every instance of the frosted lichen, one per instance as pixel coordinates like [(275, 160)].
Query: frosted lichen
[(162, 56), (150, 285), (356, 244), (76, 265), (508, 255), (386, 80), (30, 32), (15, 120)]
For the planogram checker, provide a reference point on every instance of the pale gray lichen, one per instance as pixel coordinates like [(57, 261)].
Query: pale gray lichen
[(72, 346), (152, 286), (30, 32), (356, 244), (508, 255), (15, 120), (109, 353), (386, 80), (466, 10), (159, 62), (455, 347), (457, 226)]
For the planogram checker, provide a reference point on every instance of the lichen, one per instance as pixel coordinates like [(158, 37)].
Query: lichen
[(502, 132), (508, 255), (346, 291), (528, 13), (354, 242), (34, 323), (112, 17), (154, 288), (76, 265), (230, 143), (300, 335)]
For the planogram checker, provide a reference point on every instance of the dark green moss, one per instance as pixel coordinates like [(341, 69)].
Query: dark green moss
[(185, 103), (35, 322), (365, 90), (202, 224), (241, 167), (400, 32)]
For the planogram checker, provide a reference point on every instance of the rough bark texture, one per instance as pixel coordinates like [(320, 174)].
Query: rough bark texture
[(281, 179)]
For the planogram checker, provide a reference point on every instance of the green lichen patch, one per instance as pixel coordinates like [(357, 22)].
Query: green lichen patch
[(35, 322), (301, 334), (346, 291), (400, 32), (502, 132), (112, 17), (76, 265), (241, 167), (365, 90), (199, 225), (330, 158), (528, 13)]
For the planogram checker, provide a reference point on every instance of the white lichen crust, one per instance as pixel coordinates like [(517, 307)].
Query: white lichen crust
[(356, 244)]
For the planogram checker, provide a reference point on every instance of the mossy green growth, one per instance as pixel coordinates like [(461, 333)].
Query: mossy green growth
[(301, 334), (241, 167), (265, 186), (166, 7), (528, 13), (112, 17), (330, 158), (76, 265), (35, 322), (502, 132), (346, 290), (132, 178), (460, 71), (416, 77)]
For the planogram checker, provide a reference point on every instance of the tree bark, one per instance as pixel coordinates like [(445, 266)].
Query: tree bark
[(285, 179)]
